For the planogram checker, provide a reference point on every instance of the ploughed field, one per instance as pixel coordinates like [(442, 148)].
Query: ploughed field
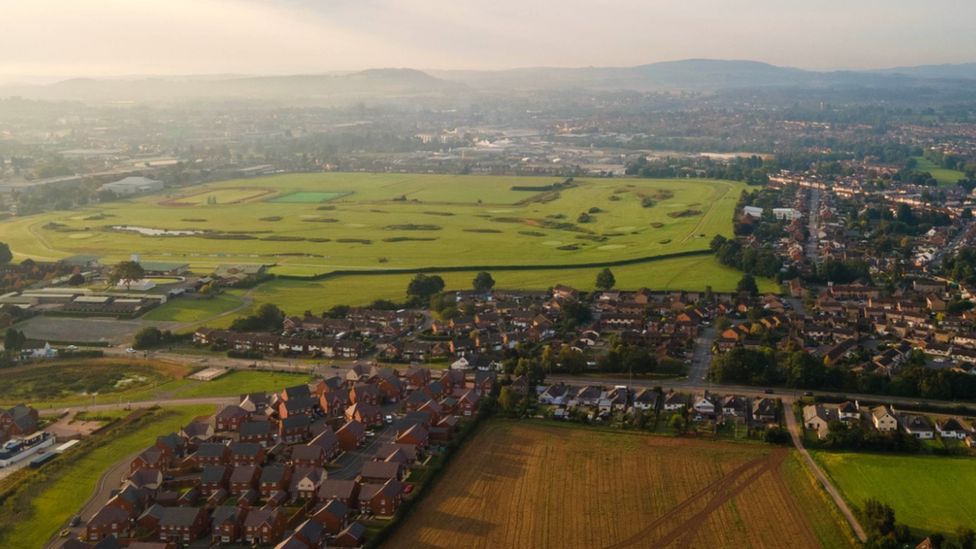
[(315, 223), (553, 485)]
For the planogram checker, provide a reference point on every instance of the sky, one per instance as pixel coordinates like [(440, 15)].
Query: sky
[(62, 38)]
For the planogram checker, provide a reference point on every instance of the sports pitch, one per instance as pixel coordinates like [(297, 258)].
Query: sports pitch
[(317, 223)]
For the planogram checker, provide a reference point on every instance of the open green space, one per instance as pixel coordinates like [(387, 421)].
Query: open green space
[(45, 500), (688, 273), (307, 197), (81, 379), (194, 310), (390, 221), (928, 493), (943, 176), (239, 382), (96, 381), (220, 195)]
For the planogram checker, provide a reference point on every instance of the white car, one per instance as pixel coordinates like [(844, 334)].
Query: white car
[(131, 350)]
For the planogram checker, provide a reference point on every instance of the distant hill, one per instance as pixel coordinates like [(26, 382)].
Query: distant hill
[(323, 87), (699, 75), (963, 71)]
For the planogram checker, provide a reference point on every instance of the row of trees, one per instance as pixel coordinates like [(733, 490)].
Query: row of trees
[(799, 369), (884, 532), (762, 262)]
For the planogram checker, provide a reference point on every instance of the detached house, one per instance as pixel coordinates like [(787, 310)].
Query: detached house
[(182, 525), (381, 499), (884, 419), (918, 426), (951, 428)]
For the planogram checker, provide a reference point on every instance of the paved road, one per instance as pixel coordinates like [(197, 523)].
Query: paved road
[(216, 401), (702, 355), (797, 435), (814, 240), (350, 463)]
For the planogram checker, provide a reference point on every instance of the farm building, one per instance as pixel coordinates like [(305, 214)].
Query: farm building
[(132, 185)]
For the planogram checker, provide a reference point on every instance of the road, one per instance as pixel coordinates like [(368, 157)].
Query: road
[(814, 215), (350, 463), (216, 401), (702, 355), (797, 435)]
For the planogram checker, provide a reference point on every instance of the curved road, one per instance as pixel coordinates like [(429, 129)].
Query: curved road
[(797, 435)]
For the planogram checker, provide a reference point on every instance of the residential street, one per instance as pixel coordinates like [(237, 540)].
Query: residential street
[(702, 357), (797, 435)]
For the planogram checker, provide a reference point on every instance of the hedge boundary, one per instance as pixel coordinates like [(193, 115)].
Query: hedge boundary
[(490, 268)]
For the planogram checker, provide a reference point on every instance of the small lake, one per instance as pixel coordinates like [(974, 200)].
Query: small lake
[(148, 231)]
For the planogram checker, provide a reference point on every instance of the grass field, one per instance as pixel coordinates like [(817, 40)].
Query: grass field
[(390, 221), (194, 310), (928, 493), (943, 176), (56, 385), (297, 296), (306, 197), (51, 382), (50, 499), (553, 485)]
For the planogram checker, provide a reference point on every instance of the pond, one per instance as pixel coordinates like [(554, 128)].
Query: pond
[(148, 231)]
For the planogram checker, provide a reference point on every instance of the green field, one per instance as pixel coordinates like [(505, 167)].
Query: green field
[(297, 296), (307, 197), (194, 310), (387, 221), (59, 385), (943, 176), (928, 493), (49, 499)]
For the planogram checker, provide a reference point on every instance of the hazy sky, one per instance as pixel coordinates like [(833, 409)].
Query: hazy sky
[(120, 37)]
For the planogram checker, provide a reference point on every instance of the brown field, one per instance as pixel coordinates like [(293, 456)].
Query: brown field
[(549, 485)]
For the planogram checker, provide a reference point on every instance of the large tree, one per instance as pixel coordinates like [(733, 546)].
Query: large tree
[(747, 284), (483, 282), (423, 287), (14, 340), (126, 272), (5, 255), (605, 280)]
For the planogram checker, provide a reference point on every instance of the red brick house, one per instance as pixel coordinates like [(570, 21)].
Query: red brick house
[(381, 471), (230, 418), (244, 478), (352, 435), (333, 516), (366, 414), (246, 453), (364, 393), (264, 526), (274, 478), (308, 455), (353, 536), (214, 478), (381, 499), (182, 525), (415, 434), (227, 524), (210, 453), (328, 441), (346, 491), (258, 432), (110, 520)]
